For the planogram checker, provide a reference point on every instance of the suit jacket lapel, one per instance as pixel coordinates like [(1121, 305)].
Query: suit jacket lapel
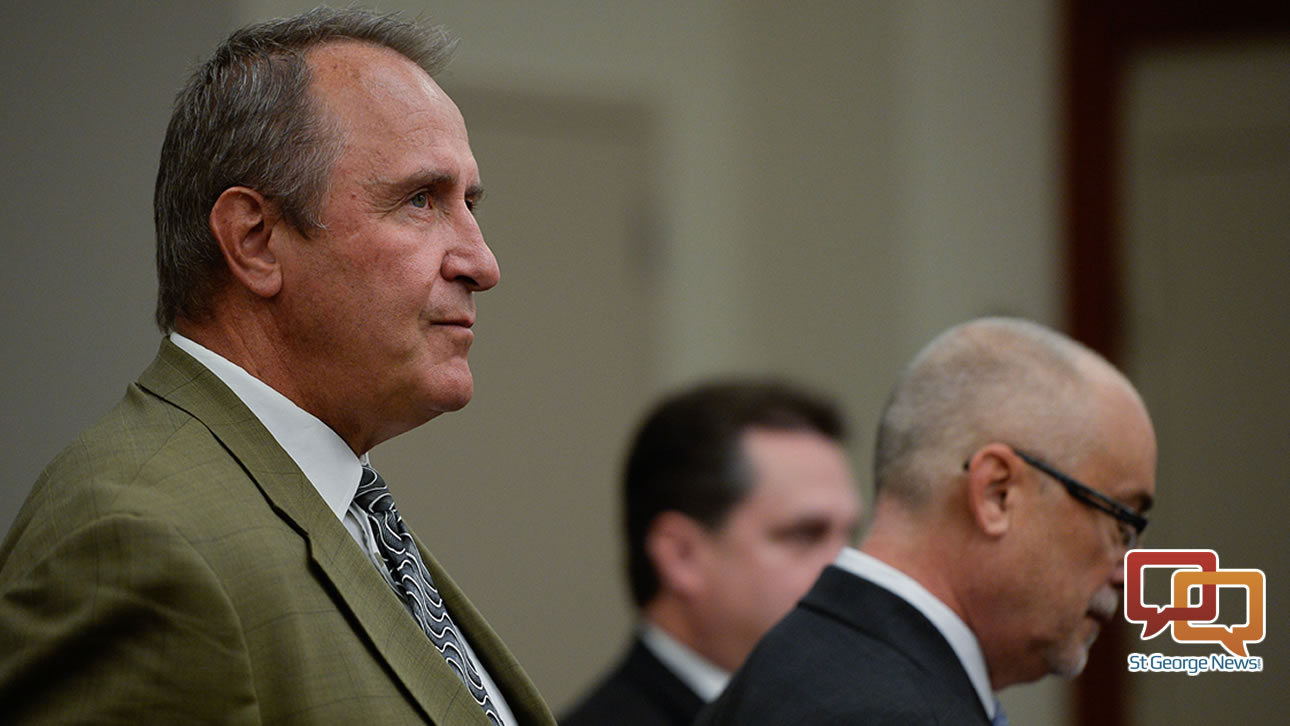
[(178, 378), (647, 673), (521, 695)]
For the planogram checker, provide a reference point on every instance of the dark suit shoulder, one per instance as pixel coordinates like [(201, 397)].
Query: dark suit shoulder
[(851, 652), (639, 691), (810, 670)]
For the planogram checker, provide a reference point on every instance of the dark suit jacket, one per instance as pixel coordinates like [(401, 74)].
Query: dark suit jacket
[(640, 691), (173, 565), (850, 653)]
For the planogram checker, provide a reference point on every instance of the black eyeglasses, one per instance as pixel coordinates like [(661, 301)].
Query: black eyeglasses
[(1131, 523)]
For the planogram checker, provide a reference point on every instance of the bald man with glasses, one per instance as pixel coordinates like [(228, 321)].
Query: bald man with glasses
[(1012, 470)]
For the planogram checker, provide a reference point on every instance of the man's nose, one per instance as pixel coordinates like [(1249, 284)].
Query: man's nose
[(471, 260)]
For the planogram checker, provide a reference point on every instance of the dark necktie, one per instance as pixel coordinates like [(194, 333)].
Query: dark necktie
[(413, 584)]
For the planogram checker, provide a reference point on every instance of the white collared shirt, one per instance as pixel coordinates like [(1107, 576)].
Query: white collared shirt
[(697, 672), (326, 460), (950, 625)]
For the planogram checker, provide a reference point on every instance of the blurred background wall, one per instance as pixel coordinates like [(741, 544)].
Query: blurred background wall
[(685, 189)]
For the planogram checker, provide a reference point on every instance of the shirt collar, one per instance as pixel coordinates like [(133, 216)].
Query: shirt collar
[(704, 678), (326, 460), (951, 626)]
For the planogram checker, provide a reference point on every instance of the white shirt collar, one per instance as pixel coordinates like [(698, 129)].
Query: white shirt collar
[(704, 678), (326, 460), (960, 636)]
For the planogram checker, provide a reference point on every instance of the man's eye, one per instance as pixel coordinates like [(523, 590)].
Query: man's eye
[(1128, 534), (804, 534), (420, 199)]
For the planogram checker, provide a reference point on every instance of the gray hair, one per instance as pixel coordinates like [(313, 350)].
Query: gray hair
[(991, 379), (246, 117)]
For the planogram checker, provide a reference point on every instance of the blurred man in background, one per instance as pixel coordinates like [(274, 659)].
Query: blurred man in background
[(735, 496)]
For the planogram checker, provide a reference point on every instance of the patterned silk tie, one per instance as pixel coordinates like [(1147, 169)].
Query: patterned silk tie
[(413, 584)]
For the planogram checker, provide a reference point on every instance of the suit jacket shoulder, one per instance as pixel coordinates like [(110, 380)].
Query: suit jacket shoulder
[(640, 691), (176, 555), (850, 653)]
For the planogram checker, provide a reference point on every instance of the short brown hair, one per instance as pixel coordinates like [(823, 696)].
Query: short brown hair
[(247, 117), (688, 457)]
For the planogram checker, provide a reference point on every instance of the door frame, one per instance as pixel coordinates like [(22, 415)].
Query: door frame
[(1101, 39)]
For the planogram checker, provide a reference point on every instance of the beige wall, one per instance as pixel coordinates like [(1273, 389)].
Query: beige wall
[(1208, 229), (87, 89), (833, 183)]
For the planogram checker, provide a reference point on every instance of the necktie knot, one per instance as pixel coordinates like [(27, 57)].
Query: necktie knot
[(372, 495)]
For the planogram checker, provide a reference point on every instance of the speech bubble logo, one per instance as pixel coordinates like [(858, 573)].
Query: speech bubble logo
[(1233, 638), (1156, 618)]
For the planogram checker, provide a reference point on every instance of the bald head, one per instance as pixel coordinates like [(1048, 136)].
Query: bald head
[(1030, 567), (990, 379)]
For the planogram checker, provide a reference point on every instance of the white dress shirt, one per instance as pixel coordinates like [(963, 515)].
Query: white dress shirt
[(951, 626), (697, 672), (327, 462)]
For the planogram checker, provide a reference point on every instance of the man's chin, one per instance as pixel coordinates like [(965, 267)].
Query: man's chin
[(453, 401), (449, 388), (1071, 664)]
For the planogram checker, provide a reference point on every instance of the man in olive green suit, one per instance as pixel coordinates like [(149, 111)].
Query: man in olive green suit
[(216, 549)]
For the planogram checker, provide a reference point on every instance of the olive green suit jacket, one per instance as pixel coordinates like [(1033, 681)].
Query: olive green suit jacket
[(173, 565)]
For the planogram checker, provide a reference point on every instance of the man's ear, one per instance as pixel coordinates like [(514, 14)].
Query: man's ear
[(994, 477), (243, 222), (676, 545)]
